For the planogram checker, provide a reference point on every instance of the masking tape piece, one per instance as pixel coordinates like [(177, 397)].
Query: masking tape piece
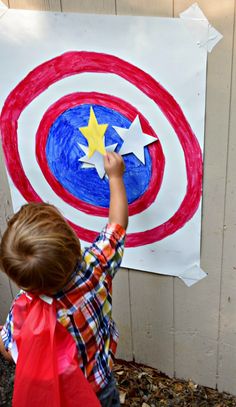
[(192, 275), (202, 31), (3, 8)]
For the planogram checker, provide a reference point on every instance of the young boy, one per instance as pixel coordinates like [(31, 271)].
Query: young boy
[(42, 255)]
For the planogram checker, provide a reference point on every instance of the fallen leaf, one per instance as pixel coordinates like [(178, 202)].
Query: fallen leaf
[(122, 397)]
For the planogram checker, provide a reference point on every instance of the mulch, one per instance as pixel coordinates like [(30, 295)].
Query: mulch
[(7, 371), (140, 386), (143, 386)]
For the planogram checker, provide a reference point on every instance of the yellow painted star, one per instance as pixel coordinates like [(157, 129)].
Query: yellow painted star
[(94, 133)]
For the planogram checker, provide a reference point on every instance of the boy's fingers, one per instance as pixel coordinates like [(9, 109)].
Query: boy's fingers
[(111, 157), (106, 158), (115, 155)]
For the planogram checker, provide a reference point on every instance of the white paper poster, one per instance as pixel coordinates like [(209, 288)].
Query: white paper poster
[(73, 86)]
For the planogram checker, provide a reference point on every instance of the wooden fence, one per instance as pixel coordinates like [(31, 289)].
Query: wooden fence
[(184, 332)]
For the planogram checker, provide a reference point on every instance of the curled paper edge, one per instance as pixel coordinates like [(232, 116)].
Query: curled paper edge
[(205, 35), (3, 9), (192, 275), (3, 6)]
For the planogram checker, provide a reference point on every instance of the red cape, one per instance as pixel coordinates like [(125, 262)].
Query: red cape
[(47, 369)]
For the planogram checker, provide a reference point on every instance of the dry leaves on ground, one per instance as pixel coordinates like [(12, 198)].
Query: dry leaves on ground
[(142, 386)]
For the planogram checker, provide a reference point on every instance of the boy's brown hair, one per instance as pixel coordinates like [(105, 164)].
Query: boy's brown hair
[(39, 250)]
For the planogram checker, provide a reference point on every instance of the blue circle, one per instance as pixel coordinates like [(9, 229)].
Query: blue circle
[(63, 153)]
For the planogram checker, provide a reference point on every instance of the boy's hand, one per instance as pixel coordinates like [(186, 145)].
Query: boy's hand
[(114, 165)]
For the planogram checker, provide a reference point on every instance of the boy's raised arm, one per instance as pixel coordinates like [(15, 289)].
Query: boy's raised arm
[(118, 209)]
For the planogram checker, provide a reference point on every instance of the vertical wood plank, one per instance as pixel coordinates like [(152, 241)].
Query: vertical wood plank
[(6, 297), (89, 6), (163, 8), (50, 5), (227, 334), (122, 315), (152, 320), (151, 295), (197, 308), (5, 211), (227, 363)]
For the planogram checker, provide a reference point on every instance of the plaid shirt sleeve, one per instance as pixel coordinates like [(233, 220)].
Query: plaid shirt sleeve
[(107, 250), (7, 331)]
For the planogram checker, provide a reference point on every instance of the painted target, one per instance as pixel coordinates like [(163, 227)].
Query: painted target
[(58, 136)]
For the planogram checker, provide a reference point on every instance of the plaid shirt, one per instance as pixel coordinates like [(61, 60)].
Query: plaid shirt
[(84, 306)]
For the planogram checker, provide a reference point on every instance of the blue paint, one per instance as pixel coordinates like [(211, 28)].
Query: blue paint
[(63, 155)]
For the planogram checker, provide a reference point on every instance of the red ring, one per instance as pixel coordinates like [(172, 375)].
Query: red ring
[(75, 99), (76, 62)]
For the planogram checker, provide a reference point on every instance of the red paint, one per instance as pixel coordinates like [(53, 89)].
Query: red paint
[(73, 63), (75, 99)]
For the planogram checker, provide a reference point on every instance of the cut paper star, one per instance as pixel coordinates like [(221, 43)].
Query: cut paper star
[(94, 133), (96, 160), (134, 140)]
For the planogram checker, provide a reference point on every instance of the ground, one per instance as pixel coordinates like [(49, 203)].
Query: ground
[(6, 382), (140, 386)]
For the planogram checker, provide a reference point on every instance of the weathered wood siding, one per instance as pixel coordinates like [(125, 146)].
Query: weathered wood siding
[(186, 332)]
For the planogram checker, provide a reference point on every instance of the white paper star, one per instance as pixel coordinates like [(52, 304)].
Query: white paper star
[(96, 160), (134, 139)]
